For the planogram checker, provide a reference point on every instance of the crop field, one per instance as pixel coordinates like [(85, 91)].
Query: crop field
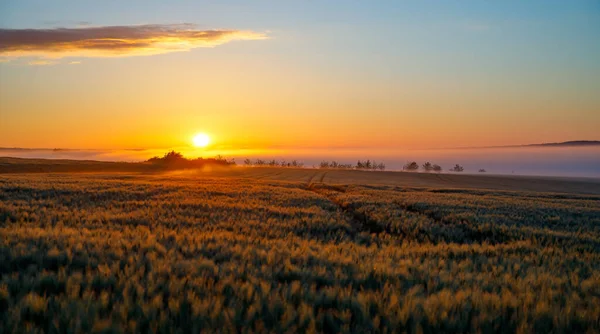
[(269, 250)]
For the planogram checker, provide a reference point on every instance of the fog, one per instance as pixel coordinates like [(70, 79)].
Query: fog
[(547, 161)]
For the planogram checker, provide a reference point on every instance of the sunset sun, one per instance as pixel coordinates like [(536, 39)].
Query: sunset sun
[(201, 140)]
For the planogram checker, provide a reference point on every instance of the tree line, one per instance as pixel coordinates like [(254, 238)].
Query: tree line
[(176, 159), (325, 164), (360, 164), (427, 167), (273, 163)]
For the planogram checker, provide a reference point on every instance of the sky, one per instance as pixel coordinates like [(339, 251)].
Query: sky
[(298, 75)]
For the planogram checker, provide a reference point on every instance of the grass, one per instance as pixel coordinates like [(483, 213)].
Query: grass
[(169, 253)]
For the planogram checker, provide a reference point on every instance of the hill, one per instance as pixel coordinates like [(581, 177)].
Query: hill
[(570, 143)]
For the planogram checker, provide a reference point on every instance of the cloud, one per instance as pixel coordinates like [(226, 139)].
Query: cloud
[(77, 62), (42, 62), (113, 41)]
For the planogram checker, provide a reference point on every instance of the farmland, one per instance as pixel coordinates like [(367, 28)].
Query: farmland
[(276, 250)]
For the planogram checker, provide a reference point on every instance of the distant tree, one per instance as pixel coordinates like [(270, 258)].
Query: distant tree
[(368, 164), (324, 164), (482, 170), (411, 166), (428, 167), (247, 162), (381, 166), (273, 163), (437, 168), (259, 162), (173, 157), (169, 158), (359, 165), (457, 168)]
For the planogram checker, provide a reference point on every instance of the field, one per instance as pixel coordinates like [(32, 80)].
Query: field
[(279, 250)]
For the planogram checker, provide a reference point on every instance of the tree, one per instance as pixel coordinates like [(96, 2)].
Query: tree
[(437, 168), (457, 168), (428, 167), (324, 164), (248, 162), (482, 170), (411, 166), (381, 166), (173, 157)]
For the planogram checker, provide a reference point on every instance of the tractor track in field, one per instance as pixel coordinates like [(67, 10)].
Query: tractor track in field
[(320, 175), (360, 221)]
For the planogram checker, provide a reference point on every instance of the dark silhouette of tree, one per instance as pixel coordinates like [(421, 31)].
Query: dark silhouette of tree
[(248, 162), (174, 159), (428, 167), (482, 170), (437, 168), (457, 168), (411, 166)]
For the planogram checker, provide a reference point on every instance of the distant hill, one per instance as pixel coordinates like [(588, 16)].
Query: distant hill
[(573, 143), (28, 165), (570, 143)]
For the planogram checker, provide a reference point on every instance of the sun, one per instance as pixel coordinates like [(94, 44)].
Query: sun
[(201, 140)]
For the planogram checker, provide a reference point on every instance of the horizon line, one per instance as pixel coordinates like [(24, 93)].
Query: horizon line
[(547, 144)]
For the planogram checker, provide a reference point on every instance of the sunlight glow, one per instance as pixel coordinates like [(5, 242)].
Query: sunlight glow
[(201, 140)]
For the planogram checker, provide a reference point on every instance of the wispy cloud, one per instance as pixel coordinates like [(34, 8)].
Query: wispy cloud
[(77, 62), (114, 41), (42, 62)]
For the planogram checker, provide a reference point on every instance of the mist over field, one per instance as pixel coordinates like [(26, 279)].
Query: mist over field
[(544, 161)]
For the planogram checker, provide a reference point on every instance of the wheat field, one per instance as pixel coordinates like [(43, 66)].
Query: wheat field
[(272, 251)]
